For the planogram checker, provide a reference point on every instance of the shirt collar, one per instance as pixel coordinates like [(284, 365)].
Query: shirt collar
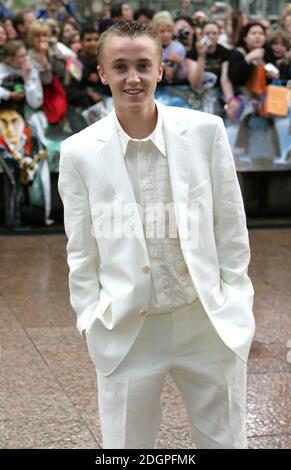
[(156, 136)]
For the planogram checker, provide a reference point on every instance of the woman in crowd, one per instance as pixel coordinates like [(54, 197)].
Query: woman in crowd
[(174, 53), (177, 68), (257, 136), (249, 54), (278, 53), (211, 57), (184, 31), (44, 54), (20, 81), (68, 29)]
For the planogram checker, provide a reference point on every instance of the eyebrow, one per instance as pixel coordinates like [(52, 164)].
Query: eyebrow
[(125, 59)]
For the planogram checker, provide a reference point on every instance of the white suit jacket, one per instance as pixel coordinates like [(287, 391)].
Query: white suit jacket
[(109, 288)]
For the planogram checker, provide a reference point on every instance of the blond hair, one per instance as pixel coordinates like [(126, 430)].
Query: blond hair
[(162, 18), (36, 27), (130, 29)]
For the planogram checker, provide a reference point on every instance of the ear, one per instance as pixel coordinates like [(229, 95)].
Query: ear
[(160, 72), (102, 75)]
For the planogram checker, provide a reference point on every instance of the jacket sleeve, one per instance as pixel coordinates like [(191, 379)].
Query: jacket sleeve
[(82, 250), (33, 90), (230, 231)]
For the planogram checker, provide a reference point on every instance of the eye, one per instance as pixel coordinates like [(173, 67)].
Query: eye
[(120, 67), (143, 67)]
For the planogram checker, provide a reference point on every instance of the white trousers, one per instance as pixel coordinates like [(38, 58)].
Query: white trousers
[(210, 378)]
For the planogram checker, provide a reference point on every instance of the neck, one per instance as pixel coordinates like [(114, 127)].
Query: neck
[(138, 125), (212, 49)]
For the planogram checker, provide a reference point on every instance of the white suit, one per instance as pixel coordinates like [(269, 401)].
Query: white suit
[(108, 286)]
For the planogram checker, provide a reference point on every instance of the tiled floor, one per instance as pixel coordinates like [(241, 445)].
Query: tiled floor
[(48, 391)]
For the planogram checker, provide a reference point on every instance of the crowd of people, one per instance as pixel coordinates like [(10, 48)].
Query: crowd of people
[(48, 70)]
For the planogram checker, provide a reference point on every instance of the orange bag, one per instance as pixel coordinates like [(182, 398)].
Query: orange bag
[(257, 79), (276, 101)]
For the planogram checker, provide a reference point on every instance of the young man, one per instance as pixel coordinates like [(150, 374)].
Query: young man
[(153, 300)]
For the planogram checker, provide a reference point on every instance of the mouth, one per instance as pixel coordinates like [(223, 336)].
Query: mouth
[(133, 92)]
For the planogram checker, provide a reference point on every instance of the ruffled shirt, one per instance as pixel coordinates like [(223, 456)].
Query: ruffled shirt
[(147, 165)]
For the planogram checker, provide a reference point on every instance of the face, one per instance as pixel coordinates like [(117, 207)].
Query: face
[(212, 32), (127, 12), (68, 31), (200, 17), (131, 67), (29, 17), (20, 57), (165, 33), (89, 43), (183, 24), (38, 38), (279, 48), (76, 44), (255, 38), (3, 36), (11, 126), (52, 5), (144, 19)]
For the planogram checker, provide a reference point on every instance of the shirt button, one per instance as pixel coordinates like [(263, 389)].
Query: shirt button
[(145, 269), (142, 312)]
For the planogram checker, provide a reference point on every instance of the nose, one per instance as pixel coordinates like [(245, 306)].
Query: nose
[(10, 129), (132, 76)]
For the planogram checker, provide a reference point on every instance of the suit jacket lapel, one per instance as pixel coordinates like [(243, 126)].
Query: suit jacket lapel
[(180, 159), (115, 167)]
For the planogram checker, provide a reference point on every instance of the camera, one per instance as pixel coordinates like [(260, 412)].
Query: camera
[(54, 31), (206, 41), (52, 42), (183, 35)]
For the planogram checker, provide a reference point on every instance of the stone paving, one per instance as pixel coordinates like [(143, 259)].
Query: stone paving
[(48, 390)]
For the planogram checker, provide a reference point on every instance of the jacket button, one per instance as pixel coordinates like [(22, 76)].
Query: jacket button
[(142, 312), (145, 269)]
